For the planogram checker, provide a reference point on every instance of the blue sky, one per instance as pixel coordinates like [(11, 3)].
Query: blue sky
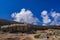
[(7, 7)]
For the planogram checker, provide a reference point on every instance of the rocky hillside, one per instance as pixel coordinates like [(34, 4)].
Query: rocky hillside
[(7, 22), (16, 26)]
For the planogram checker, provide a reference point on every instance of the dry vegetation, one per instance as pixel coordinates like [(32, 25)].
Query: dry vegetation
[(51, 34), (28, 32)]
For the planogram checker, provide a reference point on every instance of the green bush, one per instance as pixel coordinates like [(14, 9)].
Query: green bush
[(37, 36)]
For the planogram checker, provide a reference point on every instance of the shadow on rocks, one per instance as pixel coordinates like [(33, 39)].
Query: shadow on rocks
[(13, 38)]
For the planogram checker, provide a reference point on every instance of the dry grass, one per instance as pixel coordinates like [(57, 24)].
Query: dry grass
[(20, 36)]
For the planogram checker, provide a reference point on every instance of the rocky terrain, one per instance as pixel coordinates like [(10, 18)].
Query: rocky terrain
[(50, 34), (27, 32)]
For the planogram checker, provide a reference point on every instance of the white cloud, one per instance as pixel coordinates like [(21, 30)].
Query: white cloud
[(25, 16), (44, 12), (45, 17), (28, 17), (54, 14), (56, 17)]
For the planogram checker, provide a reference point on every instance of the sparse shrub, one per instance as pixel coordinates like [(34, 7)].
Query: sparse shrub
[(37, 36), (49, 34)]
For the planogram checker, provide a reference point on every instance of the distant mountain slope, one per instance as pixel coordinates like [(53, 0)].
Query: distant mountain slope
[(6, 22)]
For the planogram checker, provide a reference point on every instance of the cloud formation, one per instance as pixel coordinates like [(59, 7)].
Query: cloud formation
[(47, 20), (25, 16), (45, 17), (56, 17)]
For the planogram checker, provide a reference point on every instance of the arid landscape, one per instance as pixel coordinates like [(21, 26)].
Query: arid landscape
[(22, 31), (50, 34), (29, 19)]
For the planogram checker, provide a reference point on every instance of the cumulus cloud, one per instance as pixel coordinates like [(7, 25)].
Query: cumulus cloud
[(56, 17), (55, 14), (45, 17), (25, 16)]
